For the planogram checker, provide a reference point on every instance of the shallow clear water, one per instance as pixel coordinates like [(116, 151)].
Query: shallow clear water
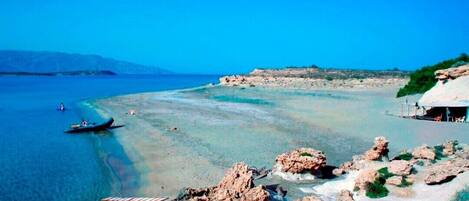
[(39, 162), (219, 126), (463, 195)]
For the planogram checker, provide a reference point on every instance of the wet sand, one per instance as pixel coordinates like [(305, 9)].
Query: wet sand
[(218, 126)]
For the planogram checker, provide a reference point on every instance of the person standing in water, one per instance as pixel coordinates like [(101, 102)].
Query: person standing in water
[(61, 107), (84, 123)]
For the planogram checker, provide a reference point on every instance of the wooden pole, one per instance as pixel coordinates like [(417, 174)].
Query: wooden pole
[(447, 114), (408, 110), (467, 114), (402, 110)]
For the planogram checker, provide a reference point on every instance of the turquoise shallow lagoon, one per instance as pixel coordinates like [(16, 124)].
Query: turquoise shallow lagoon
[(39, 162), (219, 126)]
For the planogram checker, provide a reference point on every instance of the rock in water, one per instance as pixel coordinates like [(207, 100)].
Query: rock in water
[(424, 152), (400, 167), (365, 178), (345, 195), (348, 166), (379, 149), (302, 160)]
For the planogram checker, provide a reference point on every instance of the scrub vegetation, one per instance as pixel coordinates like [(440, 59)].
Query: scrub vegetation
[(424, 79), (384, 173), (377, 189), (306, 154), (404, 156), (404, 183)]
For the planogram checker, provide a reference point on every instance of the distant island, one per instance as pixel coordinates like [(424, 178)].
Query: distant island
[(45, 63)]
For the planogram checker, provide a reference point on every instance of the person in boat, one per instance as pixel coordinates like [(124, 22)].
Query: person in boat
[(61, 107), (84, 123)]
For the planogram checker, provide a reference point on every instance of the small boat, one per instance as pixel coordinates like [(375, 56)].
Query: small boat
[(93, 128)]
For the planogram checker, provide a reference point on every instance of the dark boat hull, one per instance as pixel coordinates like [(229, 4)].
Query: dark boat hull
[(99, 127)]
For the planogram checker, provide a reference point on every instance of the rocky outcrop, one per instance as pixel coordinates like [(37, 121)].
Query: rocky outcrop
[(452, 73), (310, 198), (237, 180), (309, 83), (449, 147), (302, 160), (424, 152), (379, 149), (394, 180), (238, 184), (444, 172), (348, 166), (400, 167), (315, 78), (345, 195), (365, 178), (287, 72), (258, 193)]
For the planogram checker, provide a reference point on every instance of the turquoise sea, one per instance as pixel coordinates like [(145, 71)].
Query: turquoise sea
[(39, 162)]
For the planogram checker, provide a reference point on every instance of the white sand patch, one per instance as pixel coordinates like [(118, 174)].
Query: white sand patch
[(330, 190), (419, 191), (277, 171)]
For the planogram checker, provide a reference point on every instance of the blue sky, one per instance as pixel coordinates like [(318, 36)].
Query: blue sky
[(236, 36)]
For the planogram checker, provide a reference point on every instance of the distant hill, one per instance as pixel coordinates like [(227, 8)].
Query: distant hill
[(66, 73), (51, 62)]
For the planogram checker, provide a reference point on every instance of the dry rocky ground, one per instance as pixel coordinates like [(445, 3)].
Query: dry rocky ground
[(317, 78), (377, 175)]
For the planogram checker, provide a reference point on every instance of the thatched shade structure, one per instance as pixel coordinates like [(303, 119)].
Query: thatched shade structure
[(454, 93), (448, 99)]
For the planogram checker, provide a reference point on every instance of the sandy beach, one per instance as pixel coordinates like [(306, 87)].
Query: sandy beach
[(190, 137)]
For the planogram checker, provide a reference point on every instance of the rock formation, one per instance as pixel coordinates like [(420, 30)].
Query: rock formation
[(449, 147), (302, 160), (452, 73), (400, 167), (444, 172), (310, 198), (365, 178), (379, 149), (348, 166), (424, 152), (345, 195), (394, 180), (238, 184)]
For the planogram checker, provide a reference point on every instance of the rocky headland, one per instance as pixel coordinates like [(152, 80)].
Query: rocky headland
[(411, 175), (317, 78)]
